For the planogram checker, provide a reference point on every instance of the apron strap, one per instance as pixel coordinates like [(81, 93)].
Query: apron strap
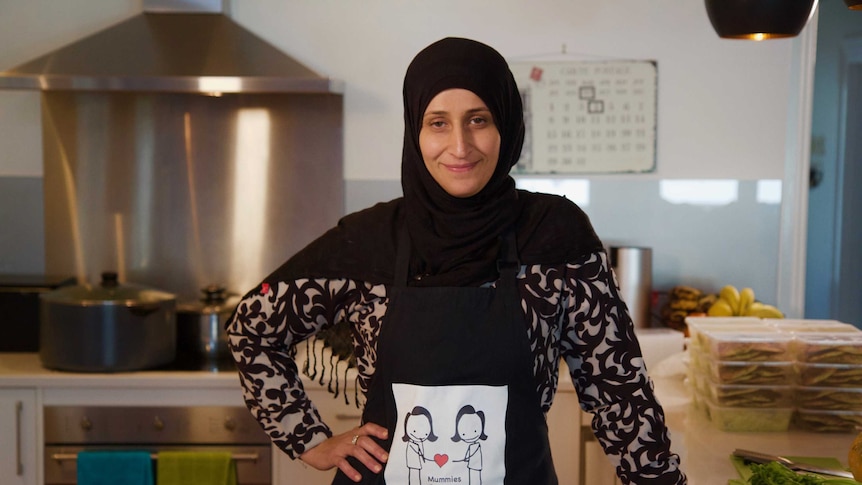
[(402, 257), (508, 265)]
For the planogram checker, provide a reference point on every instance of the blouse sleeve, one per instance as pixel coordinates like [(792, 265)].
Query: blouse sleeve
[(268, 323), (604, 357)]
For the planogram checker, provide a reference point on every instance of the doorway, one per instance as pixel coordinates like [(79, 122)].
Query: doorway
[(847, 269), (834, 247)]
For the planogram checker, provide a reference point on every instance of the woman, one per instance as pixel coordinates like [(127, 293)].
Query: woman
[(463, 291)]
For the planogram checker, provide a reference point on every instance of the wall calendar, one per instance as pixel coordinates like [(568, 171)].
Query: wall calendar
[(588, 116)]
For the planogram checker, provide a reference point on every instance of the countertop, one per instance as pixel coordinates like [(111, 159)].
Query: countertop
[(25, 370), (705, 451)]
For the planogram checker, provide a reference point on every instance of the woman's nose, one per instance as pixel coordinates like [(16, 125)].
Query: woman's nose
[(461, 142)]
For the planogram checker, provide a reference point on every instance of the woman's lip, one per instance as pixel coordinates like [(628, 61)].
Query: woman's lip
[(464, 167)]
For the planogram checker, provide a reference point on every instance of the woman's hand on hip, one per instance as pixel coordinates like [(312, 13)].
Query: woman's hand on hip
[(357, 443)]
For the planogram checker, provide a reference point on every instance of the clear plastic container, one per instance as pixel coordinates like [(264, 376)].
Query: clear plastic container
[(809, 325), (698, 404), (757, 346), (752, 373), (829, 375), (828, 421), (728, 418), (698, 361), (829, 348), (697, 383), (747, 396), (698, 325), (828, 398)]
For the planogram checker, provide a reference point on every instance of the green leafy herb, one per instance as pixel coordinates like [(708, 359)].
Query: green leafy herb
[(774, 473)]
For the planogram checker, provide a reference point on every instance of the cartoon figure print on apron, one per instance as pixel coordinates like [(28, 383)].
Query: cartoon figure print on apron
[(454, 386)]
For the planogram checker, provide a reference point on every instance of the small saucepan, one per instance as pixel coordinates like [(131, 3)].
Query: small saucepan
[(201, 339)]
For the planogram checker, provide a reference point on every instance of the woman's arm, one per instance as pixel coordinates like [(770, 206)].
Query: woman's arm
[(602, 352), (269, 321)]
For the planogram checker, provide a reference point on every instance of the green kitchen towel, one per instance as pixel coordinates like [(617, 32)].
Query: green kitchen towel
[(110, 467), (195, 468)]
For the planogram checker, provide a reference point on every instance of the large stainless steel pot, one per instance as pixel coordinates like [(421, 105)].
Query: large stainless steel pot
[(201, 338), (109, 327)]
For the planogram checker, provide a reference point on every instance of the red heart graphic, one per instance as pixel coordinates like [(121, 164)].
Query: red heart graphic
[(441, 460)]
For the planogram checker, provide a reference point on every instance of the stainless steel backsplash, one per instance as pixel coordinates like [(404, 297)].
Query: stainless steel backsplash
[(179, 191)]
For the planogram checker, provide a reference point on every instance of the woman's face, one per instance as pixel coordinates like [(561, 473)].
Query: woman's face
[(459, 142)]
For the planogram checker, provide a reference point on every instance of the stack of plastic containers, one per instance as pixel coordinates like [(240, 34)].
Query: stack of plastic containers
[(829, 395), (741, 372), (751, 374)]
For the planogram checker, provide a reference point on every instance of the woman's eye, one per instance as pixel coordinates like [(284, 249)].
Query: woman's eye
[(437, 124), (478, 120)]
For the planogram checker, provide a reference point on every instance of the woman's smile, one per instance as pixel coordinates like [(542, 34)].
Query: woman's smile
[(461, 168)]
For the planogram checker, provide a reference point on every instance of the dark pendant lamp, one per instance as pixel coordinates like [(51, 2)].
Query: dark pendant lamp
[(854, 4), (759, 19)]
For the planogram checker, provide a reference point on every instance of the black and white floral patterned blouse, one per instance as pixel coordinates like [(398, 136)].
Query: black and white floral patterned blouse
[(573, 311)]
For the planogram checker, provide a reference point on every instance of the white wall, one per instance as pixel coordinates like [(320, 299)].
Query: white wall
[(722, 104)]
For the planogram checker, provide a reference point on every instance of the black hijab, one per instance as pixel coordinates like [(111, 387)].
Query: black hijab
[(455, 241)]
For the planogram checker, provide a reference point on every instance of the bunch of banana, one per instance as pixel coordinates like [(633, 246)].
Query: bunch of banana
[(735, 303)]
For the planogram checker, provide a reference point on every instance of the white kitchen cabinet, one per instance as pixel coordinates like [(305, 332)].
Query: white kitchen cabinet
[(564, 432), (18, 460)]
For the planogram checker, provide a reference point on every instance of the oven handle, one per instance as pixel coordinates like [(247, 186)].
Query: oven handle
[(253, 457), (19, 410)]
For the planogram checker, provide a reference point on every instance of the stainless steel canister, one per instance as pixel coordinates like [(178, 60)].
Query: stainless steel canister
[(633, 268)]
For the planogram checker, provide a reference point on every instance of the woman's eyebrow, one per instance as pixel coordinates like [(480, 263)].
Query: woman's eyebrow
[(469, 111)]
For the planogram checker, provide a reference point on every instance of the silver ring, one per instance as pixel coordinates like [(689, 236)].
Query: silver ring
[(355, 439)]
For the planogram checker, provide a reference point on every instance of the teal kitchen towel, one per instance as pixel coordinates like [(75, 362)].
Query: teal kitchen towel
[(195, 468), (106, 467)]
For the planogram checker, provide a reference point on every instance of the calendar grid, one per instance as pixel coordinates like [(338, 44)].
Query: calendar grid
[(588, 116)]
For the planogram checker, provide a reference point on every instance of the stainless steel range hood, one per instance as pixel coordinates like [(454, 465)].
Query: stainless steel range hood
[(146, 176), (173, 46)]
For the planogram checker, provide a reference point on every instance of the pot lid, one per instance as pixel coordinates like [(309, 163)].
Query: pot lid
[(108, 292), (215, 299)]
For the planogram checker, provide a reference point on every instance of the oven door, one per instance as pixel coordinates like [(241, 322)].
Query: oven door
[(72, 429)]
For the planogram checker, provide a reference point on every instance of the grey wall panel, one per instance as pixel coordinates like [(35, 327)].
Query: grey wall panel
[(22, 230)]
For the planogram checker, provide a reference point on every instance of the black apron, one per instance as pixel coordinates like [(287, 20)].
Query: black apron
[(454, 386)]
